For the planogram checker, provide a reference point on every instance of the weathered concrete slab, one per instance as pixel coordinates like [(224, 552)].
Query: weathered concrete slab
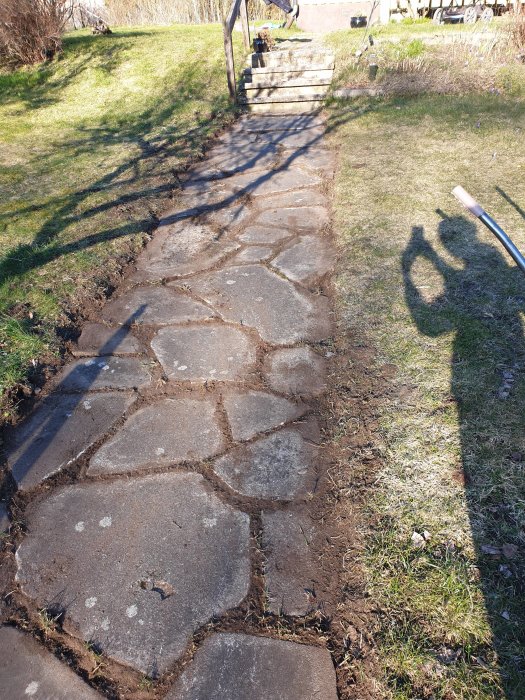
[(292, 578), (306, 261), (157, 306), (27, 670), (103, 373), (255, 297), (276, 467), (273, 181), (241, 667), (136, 565), (295, 218), (297, 371), (97, 339), (60, 430), (254, 254), (253, 412), (264, 234), (204, 352), (181, 249), (167, 432), (299, 198)]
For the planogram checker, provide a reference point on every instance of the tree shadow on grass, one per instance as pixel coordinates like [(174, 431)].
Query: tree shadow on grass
[(482, 303)]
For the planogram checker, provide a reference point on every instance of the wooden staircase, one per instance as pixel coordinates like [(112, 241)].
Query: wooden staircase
[(288, 80)]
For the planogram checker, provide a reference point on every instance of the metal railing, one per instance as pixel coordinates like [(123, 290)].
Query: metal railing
[(237, 7)]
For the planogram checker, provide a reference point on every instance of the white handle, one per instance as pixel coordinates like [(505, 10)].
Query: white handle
[(468, 201)]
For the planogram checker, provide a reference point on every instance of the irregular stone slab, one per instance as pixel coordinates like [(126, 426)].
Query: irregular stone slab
[(5, 523), (27, 670), (157, 306), (207, 352), (224, 217), (295, 140), (60, 430), (292, 577), (167, 432), (299, 198), (238, 666), (136, 566), (276, 467), (295, 218), (226, 160), (297, 371), (263, 234), (273, 181), (253, 412), (299, 122), (255, 297), (305, 261), (103, 373), (253, 254), (182, 249), (314, 159), (97, 339)]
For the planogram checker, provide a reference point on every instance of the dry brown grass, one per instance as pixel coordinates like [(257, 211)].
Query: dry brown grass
[(31, 30)]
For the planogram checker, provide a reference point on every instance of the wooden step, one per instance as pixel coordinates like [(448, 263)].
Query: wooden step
[(303, 77), (283, 83), (280, 62), (286, 92), (285, 107)]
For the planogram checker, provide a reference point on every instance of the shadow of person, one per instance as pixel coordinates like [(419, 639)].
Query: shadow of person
[(481, 303)]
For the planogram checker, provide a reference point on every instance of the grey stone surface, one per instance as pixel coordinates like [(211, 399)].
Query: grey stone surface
[(227, 159), (227, 217), (241, 667), (253, 412), (299, 122), (97, 339), (305, 261), (295, 140), (158, 306), (315, 159), (297, 371), (253, 254), (59, 430), (298, 198), (181, 249), (136, 565), (255, 297), (264, 234), (295, 218), (167, 432), (273, 181), (280, 466), (103, 373), (4, 518), (290, 566), (27, 671), (204, 352)]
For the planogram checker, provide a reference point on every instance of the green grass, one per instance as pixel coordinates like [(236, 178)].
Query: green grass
[(435, 294), (90, 146)]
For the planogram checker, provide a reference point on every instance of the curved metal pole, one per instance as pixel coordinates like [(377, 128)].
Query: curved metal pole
[(474, 208)]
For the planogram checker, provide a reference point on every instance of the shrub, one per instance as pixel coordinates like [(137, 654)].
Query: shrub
[(31, 30), (517, 29)]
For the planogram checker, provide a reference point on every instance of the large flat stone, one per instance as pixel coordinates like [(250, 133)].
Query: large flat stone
[(306, 261), (241, 667), (159, 306), (27, 671), (204, 352), (5, 523), (227, 159), (297, 198), (296, 140), (226, 217), (297, 371), (254, 254), (264, 234), (167, 432), (313, 159), (273, 182), (292, 577), (253, 412), (255, 297), (60, 430), (299, 122), (103, 373), (181, 249), (136, 566), (276, 467), (295, 218), (97, 339)]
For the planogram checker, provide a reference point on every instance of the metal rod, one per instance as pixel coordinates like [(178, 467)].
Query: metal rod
[(470, 203)]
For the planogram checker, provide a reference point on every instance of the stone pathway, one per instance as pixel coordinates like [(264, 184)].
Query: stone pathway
[(186, 423)]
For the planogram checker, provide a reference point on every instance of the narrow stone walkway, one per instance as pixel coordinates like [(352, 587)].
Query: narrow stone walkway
[(170, 463)]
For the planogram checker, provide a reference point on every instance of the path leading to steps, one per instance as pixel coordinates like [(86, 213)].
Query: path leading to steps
[(183, 443)]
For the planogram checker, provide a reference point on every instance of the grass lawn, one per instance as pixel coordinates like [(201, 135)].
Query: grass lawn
[(435, 294), (90, 147)]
